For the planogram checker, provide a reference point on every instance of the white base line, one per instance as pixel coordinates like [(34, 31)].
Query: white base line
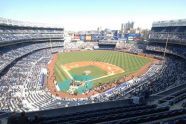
[(69, 75), (103, 77)]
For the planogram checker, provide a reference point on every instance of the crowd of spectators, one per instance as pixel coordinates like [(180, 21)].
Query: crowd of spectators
[(172, 49), (14, 81), (22, 91), (27, 36), (172, 74), (165, 35), (11, 30), (173, 34), (20, 84), (9, 53), (79, 45)]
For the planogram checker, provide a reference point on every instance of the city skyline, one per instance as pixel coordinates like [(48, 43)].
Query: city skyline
[(88, 15)]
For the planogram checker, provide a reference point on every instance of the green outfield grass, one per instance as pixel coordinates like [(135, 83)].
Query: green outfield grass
[(128, 62)]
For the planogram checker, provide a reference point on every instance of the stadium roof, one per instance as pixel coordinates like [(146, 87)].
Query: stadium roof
[(170, 23), (10, 22)]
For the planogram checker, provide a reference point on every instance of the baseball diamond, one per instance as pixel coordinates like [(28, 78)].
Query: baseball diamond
[(93, 62), (78, 73)]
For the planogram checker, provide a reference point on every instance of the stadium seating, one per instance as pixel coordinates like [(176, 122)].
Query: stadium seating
[(172, 33), (21, 60), (171, 49), (114, 113), (12, 77), (13, 31)]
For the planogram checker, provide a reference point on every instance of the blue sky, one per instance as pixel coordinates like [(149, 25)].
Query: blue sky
[(90, 14)]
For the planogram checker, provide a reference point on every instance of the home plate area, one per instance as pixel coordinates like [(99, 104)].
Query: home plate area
[(85, 74)]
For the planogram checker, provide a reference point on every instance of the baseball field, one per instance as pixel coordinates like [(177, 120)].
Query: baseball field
[(81, 71)]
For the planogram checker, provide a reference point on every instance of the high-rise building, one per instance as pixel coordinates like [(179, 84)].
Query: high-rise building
[(122, 28), (126, 27), (99, 29)]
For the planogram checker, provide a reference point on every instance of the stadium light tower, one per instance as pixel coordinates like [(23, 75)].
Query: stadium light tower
[(166, 45)]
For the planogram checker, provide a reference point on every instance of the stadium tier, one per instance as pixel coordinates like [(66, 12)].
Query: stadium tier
[(174, 30), (90, 82), (169, 34), (12, 31)]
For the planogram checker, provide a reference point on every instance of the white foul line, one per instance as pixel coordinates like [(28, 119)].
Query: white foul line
[(69, 75), (104, 76)]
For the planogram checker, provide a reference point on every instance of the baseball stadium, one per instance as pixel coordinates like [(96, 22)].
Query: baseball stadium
[(79, 73), (91, 65), (42, 73)]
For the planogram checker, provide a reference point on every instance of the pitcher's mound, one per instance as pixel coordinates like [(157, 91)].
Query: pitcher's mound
[(87, 72)]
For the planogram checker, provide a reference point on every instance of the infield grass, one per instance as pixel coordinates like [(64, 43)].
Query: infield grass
[(94, 71)]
